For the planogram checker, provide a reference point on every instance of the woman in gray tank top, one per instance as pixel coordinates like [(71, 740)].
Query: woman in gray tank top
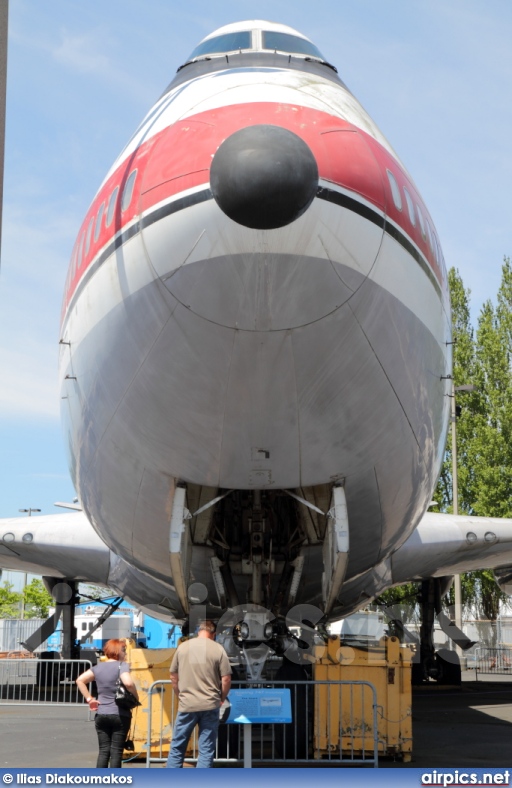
[(112, 722)]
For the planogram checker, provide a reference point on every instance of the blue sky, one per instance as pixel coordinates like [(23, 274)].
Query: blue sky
[(435, 75)]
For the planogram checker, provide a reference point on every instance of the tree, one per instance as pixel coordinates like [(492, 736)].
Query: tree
[(484, 428), (490, 451), (401, 607), (9, 601), (91, 591), (37, 600), (463, 372)]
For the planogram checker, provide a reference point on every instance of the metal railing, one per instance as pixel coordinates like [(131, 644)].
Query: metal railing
[(497, 661), (32, 681), (334, 723)]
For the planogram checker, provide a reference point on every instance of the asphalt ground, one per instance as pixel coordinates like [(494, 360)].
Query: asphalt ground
[(470, 726)]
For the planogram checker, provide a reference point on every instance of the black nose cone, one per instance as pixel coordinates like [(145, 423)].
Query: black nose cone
[(264, 177)]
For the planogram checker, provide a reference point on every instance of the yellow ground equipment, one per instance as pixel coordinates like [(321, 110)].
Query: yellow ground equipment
[(147, 666), (345, 719)]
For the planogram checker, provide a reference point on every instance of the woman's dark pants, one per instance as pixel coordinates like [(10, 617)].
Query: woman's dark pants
[(112, 730)]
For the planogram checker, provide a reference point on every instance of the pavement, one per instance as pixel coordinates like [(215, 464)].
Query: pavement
[(470, 726)]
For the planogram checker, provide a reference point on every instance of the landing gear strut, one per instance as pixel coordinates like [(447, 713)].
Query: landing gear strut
[(443, 666)]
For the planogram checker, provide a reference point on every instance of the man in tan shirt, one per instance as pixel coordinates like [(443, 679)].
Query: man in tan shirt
[(201, 679)]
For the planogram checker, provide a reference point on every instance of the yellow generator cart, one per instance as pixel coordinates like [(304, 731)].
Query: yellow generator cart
[(344, 716)]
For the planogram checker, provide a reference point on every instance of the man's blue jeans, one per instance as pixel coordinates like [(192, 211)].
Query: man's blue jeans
[(184, 724)]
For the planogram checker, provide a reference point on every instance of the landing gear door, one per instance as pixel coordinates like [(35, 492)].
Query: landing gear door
[(335, 548)]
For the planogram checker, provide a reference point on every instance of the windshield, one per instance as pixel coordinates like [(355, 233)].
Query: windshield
[(228, 42), (284, 42)]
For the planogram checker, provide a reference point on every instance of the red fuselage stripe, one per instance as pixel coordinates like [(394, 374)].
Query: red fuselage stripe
[(179, 158)]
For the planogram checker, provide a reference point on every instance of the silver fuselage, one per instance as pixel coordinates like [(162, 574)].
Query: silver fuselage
[(202, 352)]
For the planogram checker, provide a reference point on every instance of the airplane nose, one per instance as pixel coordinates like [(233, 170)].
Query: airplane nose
[(264, 177)]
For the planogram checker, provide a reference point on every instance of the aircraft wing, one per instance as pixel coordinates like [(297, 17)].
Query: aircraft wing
[(55, 545), (441, 545), (67, 546), (447, 544)]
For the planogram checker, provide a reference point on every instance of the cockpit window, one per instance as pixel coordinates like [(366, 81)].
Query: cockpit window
[(229, 42), (284, 42)]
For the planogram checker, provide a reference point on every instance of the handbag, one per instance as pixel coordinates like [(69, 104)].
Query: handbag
[(123, 697)]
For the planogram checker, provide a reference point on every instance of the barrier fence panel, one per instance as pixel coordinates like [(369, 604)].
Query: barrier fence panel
[(334, 722), (493, 660), (14, 632), (32, 681)]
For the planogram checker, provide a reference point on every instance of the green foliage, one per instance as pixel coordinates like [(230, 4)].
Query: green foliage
[(471, 591), (401, 603), (90, 591), (400, 596), (463, 372), (484, 427), (37, 600), (9, 601), (491, 450)]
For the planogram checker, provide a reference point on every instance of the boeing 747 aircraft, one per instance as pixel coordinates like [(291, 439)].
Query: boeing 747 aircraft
[(255, 354)]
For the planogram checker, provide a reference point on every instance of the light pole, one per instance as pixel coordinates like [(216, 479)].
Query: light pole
[(29, 512), (455, 496)]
